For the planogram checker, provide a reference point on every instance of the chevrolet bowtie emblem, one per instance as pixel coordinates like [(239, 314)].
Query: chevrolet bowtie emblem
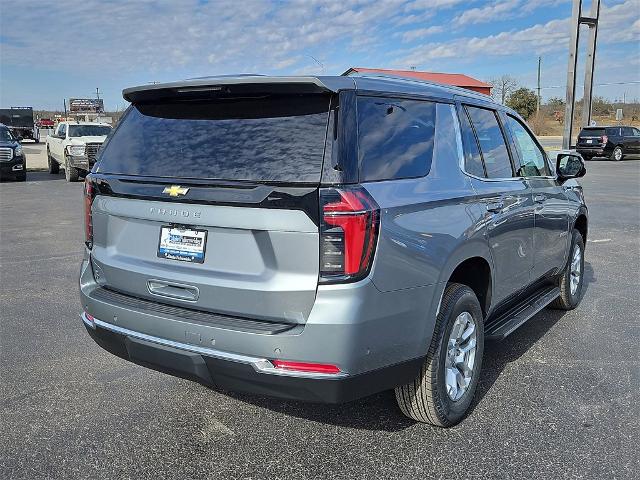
[(175, 190)]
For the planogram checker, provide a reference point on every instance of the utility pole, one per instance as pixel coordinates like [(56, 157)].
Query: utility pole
[(576, 20), (64, 102), (539, 100), (592, 21), (571, 74)]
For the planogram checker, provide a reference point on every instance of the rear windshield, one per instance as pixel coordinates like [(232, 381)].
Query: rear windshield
[(275, 139), (592, 132), (88, 130)]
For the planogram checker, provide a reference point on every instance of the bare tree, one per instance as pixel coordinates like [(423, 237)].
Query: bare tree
[(503, 87)]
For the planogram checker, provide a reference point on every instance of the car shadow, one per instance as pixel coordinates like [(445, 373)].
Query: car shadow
[(45, 176), (498, 355), (380, 412)]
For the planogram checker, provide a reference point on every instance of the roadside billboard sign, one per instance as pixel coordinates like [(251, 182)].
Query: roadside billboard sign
[(86, 105)]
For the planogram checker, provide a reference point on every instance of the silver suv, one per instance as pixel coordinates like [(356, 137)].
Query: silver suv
[(325, 238)]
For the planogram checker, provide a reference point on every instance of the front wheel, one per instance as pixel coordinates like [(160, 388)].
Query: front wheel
[(572, 278), (442, 394), (54, 167), (617, 154), (71, 174)]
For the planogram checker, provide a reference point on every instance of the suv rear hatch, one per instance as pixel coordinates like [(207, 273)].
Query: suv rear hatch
[(591, 137), (208, 200)]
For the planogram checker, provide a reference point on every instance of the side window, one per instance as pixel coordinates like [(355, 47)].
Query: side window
[(395, 138), (491, 141), (627, 131), (532, 160), (613, 132), (472, 158), (636, 132), (62, 130)]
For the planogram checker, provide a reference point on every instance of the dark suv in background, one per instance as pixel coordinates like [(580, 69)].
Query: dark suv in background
[(13, 163), (326, 238), (612, 142)]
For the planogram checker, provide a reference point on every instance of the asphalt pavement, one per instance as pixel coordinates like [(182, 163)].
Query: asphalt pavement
[(557, 399)]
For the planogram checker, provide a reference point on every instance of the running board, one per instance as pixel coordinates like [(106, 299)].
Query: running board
[(506, 323)]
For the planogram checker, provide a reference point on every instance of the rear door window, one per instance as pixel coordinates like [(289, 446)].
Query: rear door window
[(492, 144), (269, 139), (395, 137), (472, 158)]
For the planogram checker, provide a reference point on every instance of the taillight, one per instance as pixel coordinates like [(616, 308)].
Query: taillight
[(305, 367), (348, 233), (89, 195), (604, 139)]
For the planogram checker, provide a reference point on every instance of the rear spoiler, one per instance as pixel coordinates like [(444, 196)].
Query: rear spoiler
[(237, 86)]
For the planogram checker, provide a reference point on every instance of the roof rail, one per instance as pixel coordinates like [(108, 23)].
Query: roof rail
[(463, 91)]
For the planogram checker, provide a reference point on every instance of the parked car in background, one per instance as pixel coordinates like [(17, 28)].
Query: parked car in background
[(74, 146), (13, 163), (20, 121), (615, 142), (45, 123), (326, 238)]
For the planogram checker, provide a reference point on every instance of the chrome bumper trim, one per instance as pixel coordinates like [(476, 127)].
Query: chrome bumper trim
[(260, 365)]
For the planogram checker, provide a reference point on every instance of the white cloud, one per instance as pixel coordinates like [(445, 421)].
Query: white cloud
[(619, 23), (411, 35), (490, 13)]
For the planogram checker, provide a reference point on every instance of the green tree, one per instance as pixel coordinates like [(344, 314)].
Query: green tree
[(556, 103), (524, 101)]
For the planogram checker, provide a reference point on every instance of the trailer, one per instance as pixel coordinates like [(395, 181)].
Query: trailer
[(20, 122)]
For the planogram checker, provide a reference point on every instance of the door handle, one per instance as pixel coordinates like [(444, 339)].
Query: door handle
[(495, 207), (539, 198)]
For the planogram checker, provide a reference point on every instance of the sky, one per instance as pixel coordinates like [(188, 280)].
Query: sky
[(50, 51)]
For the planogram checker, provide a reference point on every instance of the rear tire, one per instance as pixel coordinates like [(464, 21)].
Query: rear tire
[(21, 178), (442, 394), (617, 154), (572, 278), (71, 174)]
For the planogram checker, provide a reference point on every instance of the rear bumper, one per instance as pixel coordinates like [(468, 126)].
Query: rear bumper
[(377, 340), (595, 151), (242, 373)]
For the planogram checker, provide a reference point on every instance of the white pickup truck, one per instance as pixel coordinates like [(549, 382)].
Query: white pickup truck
[(74, 147)]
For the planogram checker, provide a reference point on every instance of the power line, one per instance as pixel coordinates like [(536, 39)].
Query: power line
[(632, 82)]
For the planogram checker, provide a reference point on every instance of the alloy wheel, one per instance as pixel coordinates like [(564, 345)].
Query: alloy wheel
[(576, 270), (617, 154), (461, 355)]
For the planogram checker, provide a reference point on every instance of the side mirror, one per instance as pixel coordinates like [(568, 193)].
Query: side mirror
[(19, 139), (569, 165)]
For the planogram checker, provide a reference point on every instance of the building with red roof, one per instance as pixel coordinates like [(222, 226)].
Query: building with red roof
[(455, 79)]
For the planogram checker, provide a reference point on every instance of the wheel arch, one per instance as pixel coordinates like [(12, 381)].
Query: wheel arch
[(581, 223), (475, 273), (472, 265)]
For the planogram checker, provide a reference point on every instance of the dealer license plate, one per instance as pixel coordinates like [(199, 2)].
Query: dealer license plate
[(182, 244)]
